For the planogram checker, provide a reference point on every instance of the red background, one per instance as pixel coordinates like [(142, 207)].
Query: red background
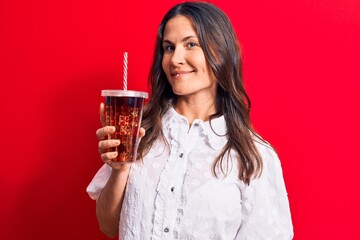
[(301, 62)]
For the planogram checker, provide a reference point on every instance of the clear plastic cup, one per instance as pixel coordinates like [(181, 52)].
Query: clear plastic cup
[(124, 110)]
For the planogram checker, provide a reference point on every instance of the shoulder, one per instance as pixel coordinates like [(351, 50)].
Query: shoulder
[(270, 158), (264, 148)]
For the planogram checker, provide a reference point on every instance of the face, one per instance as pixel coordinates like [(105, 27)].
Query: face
[(184, 61)]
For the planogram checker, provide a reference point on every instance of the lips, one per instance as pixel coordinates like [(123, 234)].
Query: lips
[(180, 73)]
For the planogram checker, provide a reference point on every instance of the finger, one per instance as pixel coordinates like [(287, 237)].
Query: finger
[(102, 114), (141, 132), (108, 156), (105, 144), (101, 133)]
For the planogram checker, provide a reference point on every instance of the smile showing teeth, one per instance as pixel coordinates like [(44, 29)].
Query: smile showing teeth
[(178, 74)]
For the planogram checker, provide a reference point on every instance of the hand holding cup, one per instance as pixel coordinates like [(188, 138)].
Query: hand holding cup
[(121, 132)]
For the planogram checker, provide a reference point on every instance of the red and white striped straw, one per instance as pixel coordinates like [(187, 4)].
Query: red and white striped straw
[(125, 70)]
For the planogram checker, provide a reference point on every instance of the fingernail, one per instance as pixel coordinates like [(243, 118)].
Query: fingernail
[(117, 142), (114, 154)]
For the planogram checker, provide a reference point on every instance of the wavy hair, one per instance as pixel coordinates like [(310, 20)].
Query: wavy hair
[(222, 52)]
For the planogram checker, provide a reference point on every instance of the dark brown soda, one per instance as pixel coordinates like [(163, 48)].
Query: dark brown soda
[(125, 114)]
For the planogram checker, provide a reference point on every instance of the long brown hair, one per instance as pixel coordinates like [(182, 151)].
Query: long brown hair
[(222, 51)]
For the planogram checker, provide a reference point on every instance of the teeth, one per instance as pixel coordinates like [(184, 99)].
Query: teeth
[(181, 74)]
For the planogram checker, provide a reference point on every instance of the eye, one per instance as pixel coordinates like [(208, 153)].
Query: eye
[(169, 48), (192, 44)]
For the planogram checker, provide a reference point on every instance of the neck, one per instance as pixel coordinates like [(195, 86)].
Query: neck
[(195, 108)]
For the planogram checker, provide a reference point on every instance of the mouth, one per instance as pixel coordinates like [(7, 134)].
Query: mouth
[(177, 74)]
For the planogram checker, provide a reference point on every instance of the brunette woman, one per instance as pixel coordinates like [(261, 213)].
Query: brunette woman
[(203, 172)]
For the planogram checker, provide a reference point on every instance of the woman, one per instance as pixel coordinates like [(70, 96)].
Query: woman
[(203, 173)]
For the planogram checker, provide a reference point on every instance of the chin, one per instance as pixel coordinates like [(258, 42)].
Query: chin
[(179, 92)]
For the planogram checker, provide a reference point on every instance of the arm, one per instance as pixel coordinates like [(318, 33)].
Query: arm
[(109, 201), (108, 205), (265, 205)]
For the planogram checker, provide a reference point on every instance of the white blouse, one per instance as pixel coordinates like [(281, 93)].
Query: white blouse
[(173, 194)]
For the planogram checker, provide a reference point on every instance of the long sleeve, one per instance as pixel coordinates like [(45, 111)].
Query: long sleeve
[(265, 205)]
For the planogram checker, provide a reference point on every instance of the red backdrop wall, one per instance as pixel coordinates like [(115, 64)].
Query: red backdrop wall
[(301, 62)]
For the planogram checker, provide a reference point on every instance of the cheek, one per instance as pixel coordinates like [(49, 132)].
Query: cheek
[(211, 74), (165, 65), (200, 62)]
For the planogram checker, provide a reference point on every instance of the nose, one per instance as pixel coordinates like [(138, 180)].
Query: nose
[(178, 56)]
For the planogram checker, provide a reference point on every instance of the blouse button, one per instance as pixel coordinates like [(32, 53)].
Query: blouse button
[(166, 229), (181, 155), (196, 124), (172, 189)]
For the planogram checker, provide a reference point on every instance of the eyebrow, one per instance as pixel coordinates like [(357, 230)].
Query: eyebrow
[(183, 40)]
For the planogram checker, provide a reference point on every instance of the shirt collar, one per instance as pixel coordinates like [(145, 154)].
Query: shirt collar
[(215, 131)]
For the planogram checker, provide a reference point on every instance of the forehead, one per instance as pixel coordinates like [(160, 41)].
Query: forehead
[(179, 26)]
